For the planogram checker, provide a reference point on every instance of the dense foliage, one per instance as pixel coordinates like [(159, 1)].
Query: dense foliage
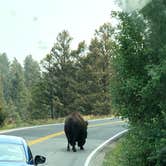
[(139, 83)]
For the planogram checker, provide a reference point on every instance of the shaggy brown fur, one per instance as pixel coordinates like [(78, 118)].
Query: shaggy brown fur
[(76, 130)]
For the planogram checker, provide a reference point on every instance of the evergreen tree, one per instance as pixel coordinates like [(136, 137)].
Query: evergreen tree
[(31, 71), (95, 72), (58, 67), (18, 91), (2, 113), (4, 75), (49, 83), (32, 76), (40, 104)]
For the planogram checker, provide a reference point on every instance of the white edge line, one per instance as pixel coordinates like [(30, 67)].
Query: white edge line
[(102, 146), (26, 128)]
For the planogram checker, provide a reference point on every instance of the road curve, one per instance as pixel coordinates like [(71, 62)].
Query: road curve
[(50, 141)]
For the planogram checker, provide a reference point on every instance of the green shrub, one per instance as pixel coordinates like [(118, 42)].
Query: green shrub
[(2, 117)]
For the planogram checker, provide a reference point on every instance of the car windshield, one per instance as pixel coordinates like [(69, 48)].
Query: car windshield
[(12, 152)]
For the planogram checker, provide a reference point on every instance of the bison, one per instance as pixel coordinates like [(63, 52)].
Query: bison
[(75, 128)]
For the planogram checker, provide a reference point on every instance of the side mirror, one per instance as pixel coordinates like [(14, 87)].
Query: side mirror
[(39, 160)]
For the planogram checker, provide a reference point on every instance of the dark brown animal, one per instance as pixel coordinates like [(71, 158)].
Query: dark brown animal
[(76, 131)]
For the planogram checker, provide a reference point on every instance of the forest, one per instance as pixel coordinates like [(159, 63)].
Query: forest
[(122, 72), (66, 80)]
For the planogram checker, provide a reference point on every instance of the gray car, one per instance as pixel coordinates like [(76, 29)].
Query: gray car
[(14, 151)]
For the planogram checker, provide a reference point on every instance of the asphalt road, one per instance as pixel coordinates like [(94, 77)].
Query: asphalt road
[(50, 141)]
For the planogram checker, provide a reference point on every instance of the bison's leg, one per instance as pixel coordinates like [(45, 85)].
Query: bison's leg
[(80, 145), (74, 149), (68, 147), (73, 146), (73, 143), (68, 135)]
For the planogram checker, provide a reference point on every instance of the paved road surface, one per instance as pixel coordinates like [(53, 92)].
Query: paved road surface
[(50, 141)]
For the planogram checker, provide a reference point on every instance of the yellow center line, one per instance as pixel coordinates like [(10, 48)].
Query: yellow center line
[(107, 123), (41, 139)]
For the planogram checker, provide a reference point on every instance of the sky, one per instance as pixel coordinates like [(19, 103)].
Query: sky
[(31, 26)]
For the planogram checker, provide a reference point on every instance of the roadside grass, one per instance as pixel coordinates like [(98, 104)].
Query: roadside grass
[(91, 117), (46, 121), (31, 123), (114, 155)]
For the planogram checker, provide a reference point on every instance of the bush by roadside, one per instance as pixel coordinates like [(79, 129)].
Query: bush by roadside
[(135, 148)]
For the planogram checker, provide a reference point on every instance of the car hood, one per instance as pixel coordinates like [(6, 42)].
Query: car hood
[(14, 164)]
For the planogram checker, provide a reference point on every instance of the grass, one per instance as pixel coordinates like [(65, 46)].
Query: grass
[(45, 121), (113, 156), (91, 117), (31, 123)]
